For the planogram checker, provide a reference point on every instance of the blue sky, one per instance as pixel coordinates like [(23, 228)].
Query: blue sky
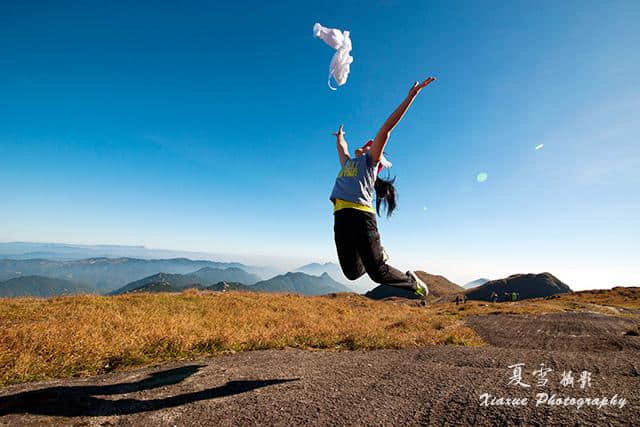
[(205, 127)]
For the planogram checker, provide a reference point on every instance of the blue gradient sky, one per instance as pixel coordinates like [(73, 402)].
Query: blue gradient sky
[(206, 127)]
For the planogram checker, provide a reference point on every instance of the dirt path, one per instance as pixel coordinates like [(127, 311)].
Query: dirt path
[(429, 386)]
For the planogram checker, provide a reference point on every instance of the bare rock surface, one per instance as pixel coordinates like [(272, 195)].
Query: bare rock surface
[(558, 331), (437, 385)]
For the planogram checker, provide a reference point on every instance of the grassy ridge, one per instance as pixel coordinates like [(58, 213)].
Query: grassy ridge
[(85, 335)]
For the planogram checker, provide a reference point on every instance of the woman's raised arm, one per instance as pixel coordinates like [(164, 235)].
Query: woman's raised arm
[(383, 134), (341, 145)]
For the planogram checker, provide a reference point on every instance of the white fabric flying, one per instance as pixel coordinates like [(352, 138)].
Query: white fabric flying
[(386, 163), (340, 63)]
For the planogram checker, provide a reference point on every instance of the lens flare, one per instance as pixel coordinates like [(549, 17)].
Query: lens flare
[(482, 177)]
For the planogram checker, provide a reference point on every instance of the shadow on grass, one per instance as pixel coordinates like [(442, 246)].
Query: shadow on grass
[(74, 401)]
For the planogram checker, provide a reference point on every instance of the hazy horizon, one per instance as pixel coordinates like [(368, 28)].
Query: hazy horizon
[(290, 263)]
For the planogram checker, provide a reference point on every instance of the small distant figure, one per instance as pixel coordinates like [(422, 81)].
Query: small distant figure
[(507, 296), (494, 297), (457, 299), (464, 298), (514, 296)]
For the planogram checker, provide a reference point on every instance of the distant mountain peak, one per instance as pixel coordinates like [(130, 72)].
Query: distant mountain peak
[(475, 283), (529, 285), (301, 283)]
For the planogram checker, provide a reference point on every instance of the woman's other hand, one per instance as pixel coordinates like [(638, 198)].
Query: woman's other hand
[(339, 133)]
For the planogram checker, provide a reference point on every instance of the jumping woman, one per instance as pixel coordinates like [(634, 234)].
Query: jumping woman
[(355, 227)]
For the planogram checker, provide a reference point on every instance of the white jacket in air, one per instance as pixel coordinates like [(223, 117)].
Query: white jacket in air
[(340, 63)]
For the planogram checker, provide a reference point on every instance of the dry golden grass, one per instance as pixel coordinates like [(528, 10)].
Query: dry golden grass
[(609, 301), (85, 335), (625, 297)]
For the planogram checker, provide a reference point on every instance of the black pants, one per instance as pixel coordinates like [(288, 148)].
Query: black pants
[(359, 249)]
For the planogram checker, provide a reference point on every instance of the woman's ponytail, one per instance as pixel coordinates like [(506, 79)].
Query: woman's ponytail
[(385, 194)]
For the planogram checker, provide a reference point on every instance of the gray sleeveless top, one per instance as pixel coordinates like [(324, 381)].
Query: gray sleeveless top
[(355, 182)]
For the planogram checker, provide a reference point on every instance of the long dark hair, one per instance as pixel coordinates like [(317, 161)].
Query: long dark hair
[(385, 194)]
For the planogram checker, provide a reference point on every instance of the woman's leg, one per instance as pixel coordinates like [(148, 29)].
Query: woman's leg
[(372, 255), (345, 237)]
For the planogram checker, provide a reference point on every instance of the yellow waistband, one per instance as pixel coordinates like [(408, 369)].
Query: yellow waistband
[(344, 204)]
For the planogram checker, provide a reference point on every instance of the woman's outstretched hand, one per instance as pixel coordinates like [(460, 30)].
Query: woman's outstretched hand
[(417, 86), (339, 133)]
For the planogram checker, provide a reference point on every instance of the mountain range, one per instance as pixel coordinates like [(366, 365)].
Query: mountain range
[(300, 283), (23, 274), (108, 274), (38, 286), (68, 252), (198, 279)]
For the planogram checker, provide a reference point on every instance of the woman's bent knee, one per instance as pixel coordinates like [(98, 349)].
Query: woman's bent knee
[(377, 274), (353, 275)]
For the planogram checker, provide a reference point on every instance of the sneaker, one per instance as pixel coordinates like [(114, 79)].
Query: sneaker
[(421, 288)]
